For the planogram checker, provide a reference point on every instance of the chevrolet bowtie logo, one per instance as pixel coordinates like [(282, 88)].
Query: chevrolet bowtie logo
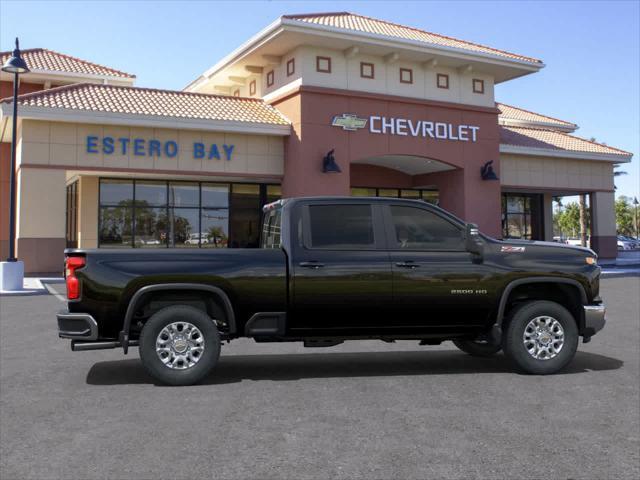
[(349, 122)]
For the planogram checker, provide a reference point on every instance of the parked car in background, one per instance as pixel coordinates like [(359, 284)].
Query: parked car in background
[(634, 241), (625, 244), (577, 242), (195, 238)]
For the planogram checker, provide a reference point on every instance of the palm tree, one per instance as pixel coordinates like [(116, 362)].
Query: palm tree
[(583, 219), (617, 173)]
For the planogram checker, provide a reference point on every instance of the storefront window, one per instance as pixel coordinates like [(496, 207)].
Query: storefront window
[(274, 193), (215, 227), (116, 213), (116, 226), (388, 192), (149, 213), (521, 216), (430, 196), (364, 192), (184, 227), (151, 226), (245, 215), (116, 192), (72, 215)]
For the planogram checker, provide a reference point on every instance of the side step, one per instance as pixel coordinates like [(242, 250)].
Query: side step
[(80, 346), (322, 343)]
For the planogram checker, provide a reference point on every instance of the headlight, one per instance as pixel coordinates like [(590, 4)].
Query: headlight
[(591, 260)]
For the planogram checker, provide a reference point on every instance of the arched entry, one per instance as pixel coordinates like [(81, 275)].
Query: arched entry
[(411, 177)]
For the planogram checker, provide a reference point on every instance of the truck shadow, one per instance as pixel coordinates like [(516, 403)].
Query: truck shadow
[(287, 367)]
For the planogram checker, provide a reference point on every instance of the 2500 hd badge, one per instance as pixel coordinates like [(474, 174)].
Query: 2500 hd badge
[(334, 269)]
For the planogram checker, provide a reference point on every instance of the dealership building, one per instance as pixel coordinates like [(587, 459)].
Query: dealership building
[(317, 104)]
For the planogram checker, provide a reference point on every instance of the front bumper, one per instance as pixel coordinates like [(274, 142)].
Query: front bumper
[(77, 326), (594, 319)]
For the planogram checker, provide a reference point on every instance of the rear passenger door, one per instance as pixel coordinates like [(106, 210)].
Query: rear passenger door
[(436, 283), (342, 273)]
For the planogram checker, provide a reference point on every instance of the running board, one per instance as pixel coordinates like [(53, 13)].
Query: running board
[(80, 346)]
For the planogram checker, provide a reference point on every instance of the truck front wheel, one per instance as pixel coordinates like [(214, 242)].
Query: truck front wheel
[(541, 337), (179, 345)]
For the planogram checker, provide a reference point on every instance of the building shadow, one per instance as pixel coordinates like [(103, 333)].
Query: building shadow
[(288, 367)]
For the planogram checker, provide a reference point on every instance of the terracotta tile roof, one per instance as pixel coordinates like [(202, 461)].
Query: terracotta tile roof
[(43, 59), (553, 140), (147, 101), (515, 113), (360, 23)]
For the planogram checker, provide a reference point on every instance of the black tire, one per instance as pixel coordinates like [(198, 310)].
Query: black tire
[(478, 349), (205, 361), (517, 352)]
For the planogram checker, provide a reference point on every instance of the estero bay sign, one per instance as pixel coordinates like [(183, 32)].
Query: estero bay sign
[(408, 127), (160, 148)]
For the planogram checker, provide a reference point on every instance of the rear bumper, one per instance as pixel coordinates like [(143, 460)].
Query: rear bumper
[(77, 326), (594, 319)]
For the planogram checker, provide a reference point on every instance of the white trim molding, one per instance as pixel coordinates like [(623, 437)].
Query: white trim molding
[(571, 154), (154, 121)]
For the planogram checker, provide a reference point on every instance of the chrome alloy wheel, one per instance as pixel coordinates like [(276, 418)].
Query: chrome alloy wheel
[(543, 338), (180, 345)]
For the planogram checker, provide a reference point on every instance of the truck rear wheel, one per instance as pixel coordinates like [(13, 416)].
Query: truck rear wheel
[(541, 337), (478, 349), (179, 345)]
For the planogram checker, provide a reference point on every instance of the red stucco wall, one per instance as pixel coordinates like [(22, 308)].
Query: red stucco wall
[(462, 191)]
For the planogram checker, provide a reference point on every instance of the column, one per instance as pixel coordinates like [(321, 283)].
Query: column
[(547, 217), (603, 224), (41, 219)]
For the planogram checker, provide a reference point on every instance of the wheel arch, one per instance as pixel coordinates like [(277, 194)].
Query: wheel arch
[(139, 296), (511, 287)]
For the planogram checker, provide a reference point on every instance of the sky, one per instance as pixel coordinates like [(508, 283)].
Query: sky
[(591, 49)]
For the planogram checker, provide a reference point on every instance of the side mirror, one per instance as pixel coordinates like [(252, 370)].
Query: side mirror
[(473, 242)]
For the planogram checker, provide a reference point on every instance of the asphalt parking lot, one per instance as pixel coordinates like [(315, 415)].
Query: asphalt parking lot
[(360, 410)]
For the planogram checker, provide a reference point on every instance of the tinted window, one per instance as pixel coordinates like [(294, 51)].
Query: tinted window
[(341, 226), (417, 229), (271, 233)]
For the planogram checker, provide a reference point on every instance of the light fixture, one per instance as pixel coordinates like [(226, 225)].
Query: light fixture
[(15, 63), (487, 173), (329, 164)]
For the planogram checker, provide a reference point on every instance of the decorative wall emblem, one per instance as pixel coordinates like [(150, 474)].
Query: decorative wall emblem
[(349, 121)]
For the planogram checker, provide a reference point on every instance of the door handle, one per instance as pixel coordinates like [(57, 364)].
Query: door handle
[(313, 264), (408, 264)]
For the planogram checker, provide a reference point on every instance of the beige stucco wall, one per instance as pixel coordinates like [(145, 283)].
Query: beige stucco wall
[(345, 74), (64, 145), (88, 212), (555, 173), (41, 203)]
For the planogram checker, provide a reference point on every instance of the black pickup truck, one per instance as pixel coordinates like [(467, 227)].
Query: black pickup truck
[(334, 269)]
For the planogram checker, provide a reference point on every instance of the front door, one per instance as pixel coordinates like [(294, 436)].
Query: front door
[(436, 283), (342, 275)]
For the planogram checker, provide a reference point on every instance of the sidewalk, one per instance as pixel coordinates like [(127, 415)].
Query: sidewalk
[(626, 263)]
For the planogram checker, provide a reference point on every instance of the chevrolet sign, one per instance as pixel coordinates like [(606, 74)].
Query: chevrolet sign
[(349, 122)]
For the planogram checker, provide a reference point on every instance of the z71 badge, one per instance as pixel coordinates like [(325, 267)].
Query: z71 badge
[(512, 249)]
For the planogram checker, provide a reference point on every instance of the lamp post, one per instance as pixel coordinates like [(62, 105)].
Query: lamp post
[(12, 275), (635, 214)]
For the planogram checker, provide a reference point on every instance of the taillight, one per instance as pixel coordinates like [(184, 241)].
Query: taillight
[(73, 284)]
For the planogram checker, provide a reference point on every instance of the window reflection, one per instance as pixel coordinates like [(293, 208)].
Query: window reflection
[(215, 227), (181, 214), (151, 226)]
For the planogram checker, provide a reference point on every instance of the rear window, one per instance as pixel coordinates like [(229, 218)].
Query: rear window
[(341, 226), (271, 229)]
